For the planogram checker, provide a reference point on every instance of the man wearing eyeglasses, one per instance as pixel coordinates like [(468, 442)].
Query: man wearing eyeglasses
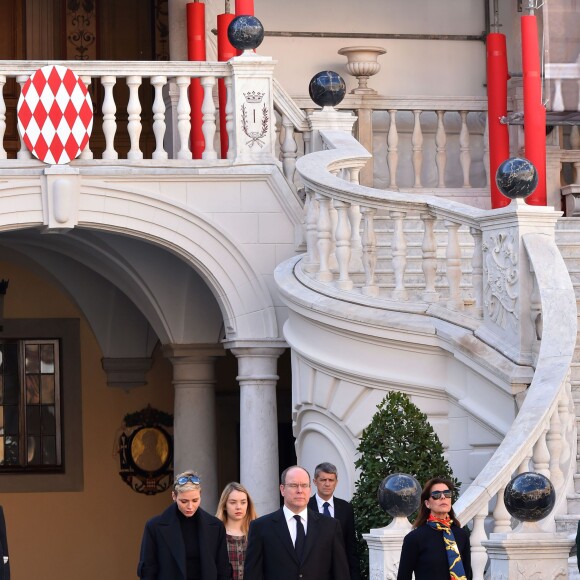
[(295, 542), (324, 501)]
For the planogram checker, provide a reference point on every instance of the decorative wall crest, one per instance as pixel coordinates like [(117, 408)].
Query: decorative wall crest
[(81, 29), (255, 118), (145, 449), (501, 279)]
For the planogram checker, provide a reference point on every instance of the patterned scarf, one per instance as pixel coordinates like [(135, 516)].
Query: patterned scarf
[(456, 570)]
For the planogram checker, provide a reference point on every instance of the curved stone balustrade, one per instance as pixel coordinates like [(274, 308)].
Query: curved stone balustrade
[(512, 245)]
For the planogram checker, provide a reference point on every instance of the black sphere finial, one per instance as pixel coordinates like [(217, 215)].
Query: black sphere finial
[(529, 497), (516, 178), (245, 32), (399, 494), (327, 88)]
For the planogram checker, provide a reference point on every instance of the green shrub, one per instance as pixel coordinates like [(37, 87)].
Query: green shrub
[(399, 439)]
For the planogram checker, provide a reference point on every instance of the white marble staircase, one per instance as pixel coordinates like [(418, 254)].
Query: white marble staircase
[(568, 240)]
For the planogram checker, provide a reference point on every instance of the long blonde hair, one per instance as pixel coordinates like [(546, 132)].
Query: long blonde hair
[(221, 512)]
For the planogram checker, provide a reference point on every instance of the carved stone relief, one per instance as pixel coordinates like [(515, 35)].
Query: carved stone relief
[(501, 279)]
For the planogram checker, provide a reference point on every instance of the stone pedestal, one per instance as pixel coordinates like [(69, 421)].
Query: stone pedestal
[(259, 425), (385, 549), (520, 555), (253, 115), (194, 425), (328, 119)]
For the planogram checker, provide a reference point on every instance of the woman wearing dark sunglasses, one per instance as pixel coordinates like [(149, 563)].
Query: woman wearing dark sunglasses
[(437, 548), (184, 542)]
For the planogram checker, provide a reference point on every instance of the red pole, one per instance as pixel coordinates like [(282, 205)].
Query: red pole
[(244, 8), (534, 111), (499, 141), (225, 52), (196, 51)]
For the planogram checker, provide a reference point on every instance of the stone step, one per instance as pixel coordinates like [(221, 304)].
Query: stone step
[(573, 503)]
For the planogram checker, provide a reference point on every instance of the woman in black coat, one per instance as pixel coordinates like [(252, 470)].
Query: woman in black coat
[(184, 542), (437, 548)]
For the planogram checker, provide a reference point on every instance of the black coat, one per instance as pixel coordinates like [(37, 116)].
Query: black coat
[(271, 555), (163, 550), (344, 513), (424, 553), (4, 568)]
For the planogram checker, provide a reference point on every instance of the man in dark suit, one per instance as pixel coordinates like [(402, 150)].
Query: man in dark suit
[(4, 561), (295, 542), (324, 502)]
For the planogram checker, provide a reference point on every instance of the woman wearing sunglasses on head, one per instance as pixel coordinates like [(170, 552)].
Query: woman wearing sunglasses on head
[(184, 542), (437, 548)]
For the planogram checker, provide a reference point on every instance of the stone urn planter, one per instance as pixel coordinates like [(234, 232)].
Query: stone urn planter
[(362, 64)]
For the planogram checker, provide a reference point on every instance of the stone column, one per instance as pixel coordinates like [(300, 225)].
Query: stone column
[(177, 29), (194, 428), (259, 425)]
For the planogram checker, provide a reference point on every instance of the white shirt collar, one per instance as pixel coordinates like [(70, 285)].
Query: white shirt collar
[(290, 514), (321, 501)]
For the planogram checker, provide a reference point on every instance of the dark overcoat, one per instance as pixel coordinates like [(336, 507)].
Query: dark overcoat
[(271, 554), (344, 513), (163, 550)]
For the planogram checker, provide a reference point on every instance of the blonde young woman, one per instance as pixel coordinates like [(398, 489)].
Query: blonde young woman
[(184, 542), (236, 511)]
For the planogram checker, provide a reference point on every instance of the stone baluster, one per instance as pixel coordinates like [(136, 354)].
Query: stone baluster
[(208, 126), (311, 261), (554, 445), (183, 118), (109, 120), (355, 218), (486, 150), (564, 411), (3, 154), (307, 135), (289, 149), (464, 152), (525, 464), (558, 103), (440, 144), (477, 270), (134, 112), (541, 455), (399, 251), (478, 551), (575, 145), (86, 153), (228, 82), (369, 251), (417, 143), (324, 229), (343, 250), (429, 257), (501, 517), (23, 153), (393, 149), (159, 126), (453, 264)]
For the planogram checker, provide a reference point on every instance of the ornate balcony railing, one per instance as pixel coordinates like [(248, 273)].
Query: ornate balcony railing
[(509, 285)]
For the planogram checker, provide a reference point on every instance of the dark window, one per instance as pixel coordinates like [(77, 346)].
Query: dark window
[(30, 405)]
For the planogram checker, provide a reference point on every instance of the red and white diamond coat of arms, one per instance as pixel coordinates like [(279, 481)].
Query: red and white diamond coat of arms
[(55, 114)]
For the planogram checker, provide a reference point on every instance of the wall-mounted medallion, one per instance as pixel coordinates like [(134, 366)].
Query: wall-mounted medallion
[(145, 449)]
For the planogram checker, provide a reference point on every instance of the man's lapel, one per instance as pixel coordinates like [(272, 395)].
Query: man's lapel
[(281, 529), (312, 532)]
